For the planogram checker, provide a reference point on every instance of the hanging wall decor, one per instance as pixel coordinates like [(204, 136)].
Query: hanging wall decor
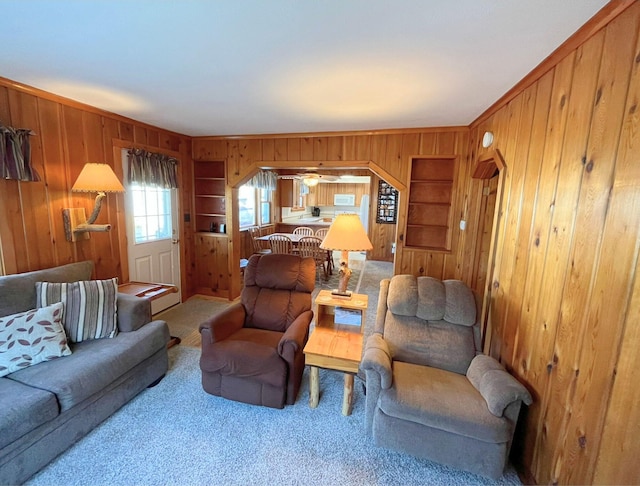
[(387, 203)]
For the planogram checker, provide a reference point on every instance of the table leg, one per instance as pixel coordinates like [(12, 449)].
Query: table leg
[(347, 399), (314, 386)]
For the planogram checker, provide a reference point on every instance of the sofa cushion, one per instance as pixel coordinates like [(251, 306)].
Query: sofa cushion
[(430, 343), (497, 387), (32, 337), (432, 300), (277, 290), (23, 409), (90, 307), (248, 353), (18, 292), (442, 400), (94, 364), (460, 307)]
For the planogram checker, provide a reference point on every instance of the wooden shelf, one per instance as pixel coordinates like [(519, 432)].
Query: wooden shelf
[(429, 216), (210, 197)]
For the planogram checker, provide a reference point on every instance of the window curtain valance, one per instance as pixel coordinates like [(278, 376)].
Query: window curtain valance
[(264, 179), (15, 154), (152, 169)]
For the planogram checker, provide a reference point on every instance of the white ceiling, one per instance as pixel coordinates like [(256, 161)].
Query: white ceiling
[(281, 66)]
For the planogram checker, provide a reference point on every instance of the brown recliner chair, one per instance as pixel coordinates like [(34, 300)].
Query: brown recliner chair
[(252, 352)]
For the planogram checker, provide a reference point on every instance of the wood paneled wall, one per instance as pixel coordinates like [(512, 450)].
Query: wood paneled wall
[(384, 235), (68, 135), (565, 287), (565, 304), (390, 152)]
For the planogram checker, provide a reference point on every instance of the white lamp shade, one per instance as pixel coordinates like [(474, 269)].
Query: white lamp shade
[(97, 178), (346, 234)]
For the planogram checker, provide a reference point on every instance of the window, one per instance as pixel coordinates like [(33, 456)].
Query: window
[(255, 206), (151, 213), (265, 206)]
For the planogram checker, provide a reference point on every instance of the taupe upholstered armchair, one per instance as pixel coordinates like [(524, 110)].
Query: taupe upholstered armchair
[(252, 352), (430, 392)]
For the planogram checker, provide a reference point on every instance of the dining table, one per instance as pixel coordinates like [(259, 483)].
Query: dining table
[(295, 238)]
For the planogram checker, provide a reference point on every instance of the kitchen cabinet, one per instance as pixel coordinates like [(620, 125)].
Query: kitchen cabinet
[(325, 192), (289, 193)]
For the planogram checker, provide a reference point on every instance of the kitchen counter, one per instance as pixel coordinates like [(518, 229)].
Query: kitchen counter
[(289, 226), (312, 220)]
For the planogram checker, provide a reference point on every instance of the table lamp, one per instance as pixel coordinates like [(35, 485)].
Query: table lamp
[(345, 234), (98, 178)]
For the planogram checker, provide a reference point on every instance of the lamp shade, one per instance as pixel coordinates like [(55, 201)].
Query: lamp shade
[(346, 234), (310, 181), (97, 178)]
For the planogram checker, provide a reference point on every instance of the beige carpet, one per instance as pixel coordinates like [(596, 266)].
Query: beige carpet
[(184, 319)]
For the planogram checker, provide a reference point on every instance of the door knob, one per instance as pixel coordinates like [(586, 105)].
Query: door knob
[(175, 241)]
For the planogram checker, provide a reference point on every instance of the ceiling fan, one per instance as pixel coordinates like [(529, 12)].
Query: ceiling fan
[(311, 178)]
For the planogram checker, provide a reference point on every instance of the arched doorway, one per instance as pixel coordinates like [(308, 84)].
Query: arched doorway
[(235, 246)]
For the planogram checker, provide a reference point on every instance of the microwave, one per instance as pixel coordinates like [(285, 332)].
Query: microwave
[(344, 199)]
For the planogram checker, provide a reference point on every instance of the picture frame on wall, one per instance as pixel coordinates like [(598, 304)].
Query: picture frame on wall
[(387, 210)]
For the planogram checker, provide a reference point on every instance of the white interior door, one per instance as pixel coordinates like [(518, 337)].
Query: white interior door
[(152, 237)]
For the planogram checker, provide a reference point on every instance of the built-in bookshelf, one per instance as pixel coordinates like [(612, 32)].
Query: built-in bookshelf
[(209, 191), (430, 197)]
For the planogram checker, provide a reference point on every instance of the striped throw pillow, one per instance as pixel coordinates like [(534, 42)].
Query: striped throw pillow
[(90, 307)]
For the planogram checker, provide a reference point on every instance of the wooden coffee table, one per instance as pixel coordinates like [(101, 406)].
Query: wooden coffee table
[(336, 344)]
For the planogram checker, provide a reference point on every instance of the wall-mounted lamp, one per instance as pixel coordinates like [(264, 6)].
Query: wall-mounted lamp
[(98, 178)]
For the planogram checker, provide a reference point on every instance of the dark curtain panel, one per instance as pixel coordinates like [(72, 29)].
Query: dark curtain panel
[(152, 169), (15, 155)]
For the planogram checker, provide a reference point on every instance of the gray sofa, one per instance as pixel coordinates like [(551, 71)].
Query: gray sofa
[(47, 407), (430, 392)]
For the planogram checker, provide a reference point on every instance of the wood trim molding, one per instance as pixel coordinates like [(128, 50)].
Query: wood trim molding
[(351, 133), (488, 166), (603, 17)]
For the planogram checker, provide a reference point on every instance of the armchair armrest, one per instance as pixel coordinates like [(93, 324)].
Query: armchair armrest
[(222, 325), (133, 312), (498, 388), (377, 357), (294, 338)]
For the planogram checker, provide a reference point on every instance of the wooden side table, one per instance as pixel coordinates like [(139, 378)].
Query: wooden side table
[(150, 291), (336, 342), (147, 290)]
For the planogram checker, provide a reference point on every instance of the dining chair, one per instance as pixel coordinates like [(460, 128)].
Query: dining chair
[(303, 230), (258, 247), (280, 244), (309, 246), (321, 233)]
